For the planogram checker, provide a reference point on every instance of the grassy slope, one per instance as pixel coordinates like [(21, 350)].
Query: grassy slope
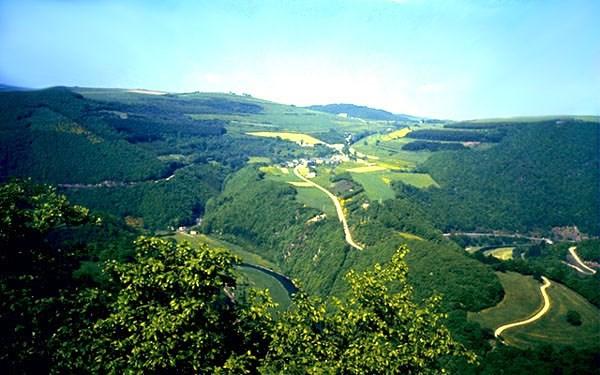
[(554, 328), (523, 299), (279, 117), (260, 280)]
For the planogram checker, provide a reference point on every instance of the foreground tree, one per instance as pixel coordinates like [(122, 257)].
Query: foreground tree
[(175, 310), (35, 271), (378, 329)]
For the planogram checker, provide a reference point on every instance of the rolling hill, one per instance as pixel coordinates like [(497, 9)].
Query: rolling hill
[(222, 165), (363, 112)]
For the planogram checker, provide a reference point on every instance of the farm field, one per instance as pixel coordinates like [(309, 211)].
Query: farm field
[(309, 196), (502, 253), (377, 185), (258, 159), (313, 197), (279, 117), (299, 138), (396, 134), (390, 150), (410, 236)]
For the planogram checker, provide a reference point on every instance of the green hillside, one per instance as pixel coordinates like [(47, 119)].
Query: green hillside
[(540, 175), (223, 167), (361, 112)]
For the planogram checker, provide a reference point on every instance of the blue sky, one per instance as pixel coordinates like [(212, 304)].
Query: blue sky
[(445, 59)]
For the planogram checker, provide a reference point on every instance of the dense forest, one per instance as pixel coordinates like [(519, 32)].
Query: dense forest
[(531, 181)]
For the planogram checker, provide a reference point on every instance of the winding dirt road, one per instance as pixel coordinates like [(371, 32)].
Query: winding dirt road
[(538, 315), (583, 268), (338, 208)]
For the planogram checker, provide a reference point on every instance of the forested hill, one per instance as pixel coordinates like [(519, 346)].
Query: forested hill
[(540, 175), (361, 112)]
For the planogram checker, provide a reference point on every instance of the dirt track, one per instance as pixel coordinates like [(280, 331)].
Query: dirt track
[(338, 208), (538, 315), (582, 267)]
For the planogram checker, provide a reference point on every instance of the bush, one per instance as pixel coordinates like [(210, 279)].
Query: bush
[(574, 318)]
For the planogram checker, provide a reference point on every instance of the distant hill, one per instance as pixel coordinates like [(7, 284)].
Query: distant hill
[(362, 112), (4, 87)]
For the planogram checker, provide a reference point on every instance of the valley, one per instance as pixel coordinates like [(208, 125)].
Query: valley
[(304, 197)]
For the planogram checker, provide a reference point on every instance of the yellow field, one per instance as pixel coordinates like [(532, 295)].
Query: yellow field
[(258, 159), (299, 138), (270, 170), (502, 253), (410, 236), (396, 134), (367, 169), (300, 183)]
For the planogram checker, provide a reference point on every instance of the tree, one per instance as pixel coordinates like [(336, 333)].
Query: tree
[(176, 309), (379, 329), (574, 318), (34, 270)]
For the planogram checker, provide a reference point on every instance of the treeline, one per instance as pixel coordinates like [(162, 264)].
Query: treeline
[(432, 146), (44, 136), (495, 135), (171, 105), (58, 136)]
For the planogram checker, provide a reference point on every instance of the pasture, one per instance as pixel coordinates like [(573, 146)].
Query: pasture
[(299, 138), (390, 151), (502, 253), (553, 327), (396, 134), (307, 195), (284, 118), (377, 185), (258, 160), (523, 299)]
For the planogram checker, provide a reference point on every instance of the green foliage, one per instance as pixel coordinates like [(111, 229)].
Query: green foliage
[(478, 135), (47, 135), (361, 111), (374, 331), (162, 204), (532, 180), (175, 309), (33, 270), (277, 228), (432, 146), (573, 317), (547, 260)]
